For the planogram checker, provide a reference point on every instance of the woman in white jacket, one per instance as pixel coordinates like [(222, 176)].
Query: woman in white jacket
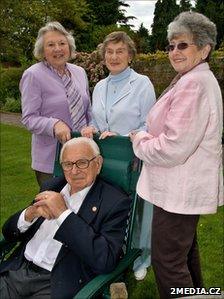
[(120, 104)]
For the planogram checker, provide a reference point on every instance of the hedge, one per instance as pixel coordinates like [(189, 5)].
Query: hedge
[(155, 66), (9, 83)]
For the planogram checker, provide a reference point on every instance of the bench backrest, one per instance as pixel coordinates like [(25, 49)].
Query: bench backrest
[(119, 166)]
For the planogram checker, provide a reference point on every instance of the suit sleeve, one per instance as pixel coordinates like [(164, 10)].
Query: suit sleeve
[(184, 128), (101, 249), (54, 184), (10, 230)]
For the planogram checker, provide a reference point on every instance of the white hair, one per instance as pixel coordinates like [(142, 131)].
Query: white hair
[(81, 140), (52, 26)]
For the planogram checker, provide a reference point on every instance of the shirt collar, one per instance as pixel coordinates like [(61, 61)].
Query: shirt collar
[(71, 200), (54, 70)]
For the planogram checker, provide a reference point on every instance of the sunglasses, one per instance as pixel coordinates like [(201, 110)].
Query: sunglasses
[(180, 46)]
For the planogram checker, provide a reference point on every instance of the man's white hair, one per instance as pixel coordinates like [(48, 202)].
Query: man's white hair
[(81, 140)]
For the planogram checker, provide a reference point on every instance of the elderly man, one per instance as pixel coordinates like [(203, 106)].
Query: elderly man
[(67, 238)]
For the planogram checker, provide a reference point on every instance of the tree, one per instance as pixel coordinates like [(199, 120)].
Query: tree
[(106, 12), (105, 16), (142, 40), (21, 20), (214, 10), (165, 11), (185, 5)]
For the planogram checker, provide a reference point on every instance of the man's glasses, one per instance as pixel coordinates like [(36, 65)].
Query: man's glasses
[(81, 164), (180, 46)]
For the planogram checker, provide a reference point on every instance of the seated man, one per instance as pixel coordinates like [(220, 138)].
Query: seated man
[(67, 238)]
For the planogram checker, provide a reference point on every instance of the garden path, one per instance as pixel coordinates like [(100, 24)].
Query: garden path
[(11, 118)]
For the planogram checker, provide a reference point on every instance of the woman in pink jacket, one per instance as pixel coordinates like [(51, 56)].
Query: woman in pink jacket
[(182, 154)]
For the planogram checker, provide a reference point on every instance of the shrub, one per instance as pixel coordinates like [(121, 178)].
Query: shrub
[(156, 66), (12, 105), (9, 84), (94, 67)]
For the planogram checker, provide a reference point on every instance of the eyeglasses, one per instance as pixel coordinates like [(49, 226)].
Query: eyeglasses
[(180, 46), (81, 164)]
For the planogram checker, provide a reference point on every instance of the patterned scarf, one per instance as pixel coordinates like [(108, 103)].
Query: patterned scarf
[(74, 98)]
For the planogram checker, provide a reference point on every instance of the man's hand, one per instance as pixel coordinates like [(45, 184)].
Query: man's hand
[(33, 212), (52, 201), (62, 132)]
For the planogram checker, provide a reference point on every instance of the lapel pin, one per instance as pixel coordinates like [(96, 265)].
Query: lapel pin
[(94, 209)]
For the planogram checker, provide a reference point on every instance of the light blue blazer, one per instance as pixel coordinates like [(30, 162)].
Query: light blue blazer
[(130, 108)]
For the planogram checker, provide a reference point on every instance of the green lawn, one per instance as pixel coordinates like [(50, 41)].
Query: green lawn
[(18, 187)]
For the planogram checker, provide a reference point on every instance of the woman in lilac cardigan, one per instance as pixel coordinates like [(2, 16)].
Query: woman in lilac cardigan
[(55, 97)]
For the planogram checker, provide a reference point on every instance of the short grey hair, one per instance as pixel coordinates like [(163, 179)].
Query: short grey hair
[(81, 140), (52, 26), (203, 30), (116, 37)]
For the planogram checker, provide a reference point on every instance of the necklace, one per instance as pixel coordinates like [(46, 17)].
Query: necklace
[(114, 87)]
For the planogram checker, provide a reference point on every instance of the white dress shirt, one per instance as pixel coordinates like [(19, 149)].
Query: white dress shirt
[(43, 249)]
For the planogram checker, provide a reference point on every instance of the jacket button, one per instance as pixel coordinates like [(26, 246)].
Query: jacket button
[(80, 280)]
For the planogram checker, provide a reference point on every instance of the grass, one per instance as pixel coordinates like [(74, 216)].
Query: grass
[(18, 187), (211, 244)]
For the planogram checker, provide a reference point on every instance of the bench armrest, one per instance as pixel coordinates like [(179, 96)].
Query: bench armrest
[(100, 282)]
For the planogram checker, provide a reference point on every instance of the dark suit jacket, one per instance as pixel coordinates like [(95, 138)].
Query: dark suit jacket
[(92, 239)]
